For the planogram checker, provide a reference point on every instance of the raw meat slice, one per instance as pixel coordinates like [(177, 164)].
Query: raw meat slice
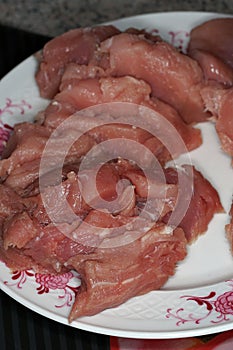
[(174, 77), (205, 202), (104, 229), (92, 91), (214, 69), (10, 202), (40, 225), (219, 102), (211, 45), (25, 144), (155, 197), (112, 274), (75, 72), (77, 45), (224, 123), (22, 167), (18, 230), (48, 206), (190, 135), (229, 229), (85, 93), (52, 249), (30, 240), (10, 205), (50, 244), (16, 260), (98, 243)]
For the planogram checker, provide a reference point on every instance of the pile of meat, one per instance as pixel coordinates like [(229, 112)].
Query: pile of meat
[(122, 241)]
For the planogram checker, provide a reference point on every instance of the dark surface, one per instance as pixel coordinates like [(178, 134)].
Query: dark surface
[(16, 45), (21, 328)]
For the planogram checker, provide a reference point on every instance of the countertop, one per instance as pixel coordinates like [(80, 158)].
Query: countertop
[(54, 17)]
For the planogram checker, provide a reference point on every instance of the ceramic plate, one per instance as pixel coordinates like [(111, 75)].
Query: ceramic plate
[(198, 299)]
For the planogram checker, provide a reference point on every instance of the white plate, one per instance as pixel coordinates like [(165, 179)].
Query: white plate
[(197, 300)]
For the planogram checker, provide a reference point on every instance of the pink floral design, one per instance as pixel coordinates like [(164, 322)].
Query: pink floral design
[(20, 277), (202, 300), (224, 303), (48, 281), (178, 39), (218, 310), (58, 282), (10, 107), (66, 284)]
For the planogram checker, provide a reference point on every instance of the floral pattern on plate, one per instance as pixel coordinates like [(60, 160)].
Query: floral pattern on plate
[(216, 308), (10, 108), (65, 285)]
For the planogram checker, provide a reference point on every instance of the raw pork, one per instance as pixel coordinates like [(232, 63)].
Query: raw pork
[(25, 144), (56, 224), (174, 77), (112, 274), (80, 94), (205, 202), (77, 45), (219, 102), (229, 229), (21, 164), (211, 45)]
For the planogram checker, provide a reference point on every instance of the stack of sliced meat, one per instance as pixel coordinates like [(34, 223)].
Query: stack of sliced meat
[(120, 232)]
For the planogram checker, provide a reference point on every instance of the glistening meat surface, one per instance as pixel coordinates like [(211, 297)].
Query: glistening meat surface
[(41, 219), (174, 78), (77, 45), (20, 168), (219, 102), (211, 45), (110, 272), (81, 94), (49, 237), (204, 203)]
